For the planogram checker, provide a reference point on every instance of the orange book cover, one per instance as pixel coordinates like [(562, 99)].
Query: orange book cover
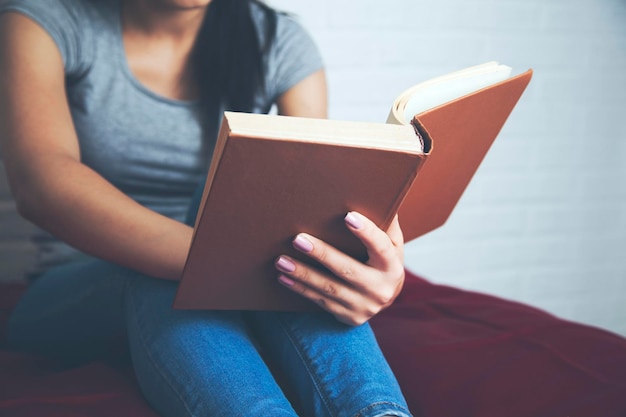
[(273, 176), (462, 131)]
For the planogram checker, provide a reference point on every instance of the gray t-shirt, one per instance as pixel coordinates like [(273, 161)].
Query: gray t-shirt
[(153, 148)]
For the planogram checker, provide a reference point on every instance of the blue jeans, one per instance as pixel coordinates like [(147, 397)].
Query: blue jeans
[(207, 363)]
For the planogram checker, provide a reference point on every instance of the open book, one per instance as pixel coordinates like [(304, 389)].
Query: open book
[(272, 177)]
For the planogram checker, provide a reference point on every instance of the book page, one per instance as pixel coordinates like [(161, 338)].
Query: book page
[(335, 132), (440, 90)]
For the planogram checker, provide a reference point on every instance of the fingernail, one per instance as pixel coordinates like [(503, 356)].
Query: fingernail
[(285, 264), (353, 220), (302, 243), (286, 280)]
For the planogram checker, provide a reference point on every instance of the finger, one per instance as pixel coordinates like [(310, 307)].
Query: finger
[(329, 294), (395, 232), (397, 238), (337, 262), (381, 250), (312, 283), (334, 307)]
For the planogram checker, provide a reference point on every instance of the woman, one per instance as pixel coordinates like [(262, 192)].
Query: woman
[(109, 110)]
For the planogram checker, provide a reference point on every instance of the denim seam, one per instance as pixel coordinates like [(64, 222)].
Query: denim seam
[(155, 363), (316, 382), (396, 407)]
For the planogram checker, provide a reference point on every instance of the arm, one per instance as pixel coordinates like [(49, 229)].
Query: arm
[(51, 186), (353, 292), (308, 98)]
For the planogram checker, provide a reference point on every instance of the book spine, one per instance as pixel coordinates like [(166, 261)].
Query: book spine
[(420, 160), (427, 146), (423, 136)]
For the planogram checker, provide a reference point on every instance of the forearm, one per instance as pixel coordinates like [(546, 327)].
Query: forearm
[(71, 201), (51, 186)]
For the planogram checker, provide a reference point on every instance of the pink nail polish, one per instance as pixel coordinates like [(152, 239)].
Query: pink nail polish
[(353, 220), (285, 264), (286, 280), (303, 244)]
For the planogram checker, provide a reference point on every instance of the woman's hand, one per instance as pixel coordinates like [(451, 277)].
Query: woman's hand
[(355, 291)]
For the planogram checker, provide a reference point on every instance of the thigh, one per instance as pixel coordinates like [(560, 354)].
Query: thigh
[(335, 370), (74, 311), (197, 363)]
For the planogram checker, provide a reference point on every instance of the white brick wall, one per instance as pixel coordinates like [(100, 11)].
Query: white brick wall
[(544, 220)]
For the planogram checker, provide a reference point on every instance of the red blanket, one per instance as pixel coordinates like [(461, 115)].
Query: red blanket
[(455, 353)]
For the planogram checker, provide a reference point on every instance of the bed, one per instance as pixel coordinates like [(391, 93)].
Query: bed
[(455, 353)]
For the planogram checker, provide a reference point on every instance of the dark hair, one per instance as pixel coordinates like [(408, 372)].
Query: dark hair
[(229, 53)]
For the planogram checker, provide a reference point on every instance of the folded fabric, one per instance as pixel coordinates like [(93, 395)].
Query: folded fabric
[(455, 353), (461, 353)]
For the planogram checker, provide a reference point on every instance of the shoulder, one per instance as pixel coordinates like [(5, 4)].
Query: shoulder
[(283, 26), (67, 22), (292, 54), (50, 13)]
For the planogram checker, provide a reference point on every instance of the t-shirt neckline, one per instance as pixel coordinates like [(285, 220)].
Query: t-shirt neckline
[(123, 61)]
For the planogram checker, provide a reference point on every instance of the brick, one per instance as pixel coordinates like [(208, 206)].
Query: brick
[(621, 224), (449, 255), (605, 222), (482, 223), (493, 16), (391, 14), (607, 251), (539, 124), (605, 158), (554, 250), (605, 88), (557, 220), (353, 49), (600, 187), (592, 89), (365, 87), (600, 124), (587, 16), (558, 156), (439, 258), (545, 52), (608, 53), (559, 282), (421, 49), (593, 221), (552, 188), (502, 188), (553, 282), (501, 282), (503, 253)]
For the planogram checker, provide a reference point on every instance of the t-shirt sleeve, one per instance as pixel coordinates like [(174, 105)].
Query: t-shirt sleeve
[(64, 21), (292, 57)]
